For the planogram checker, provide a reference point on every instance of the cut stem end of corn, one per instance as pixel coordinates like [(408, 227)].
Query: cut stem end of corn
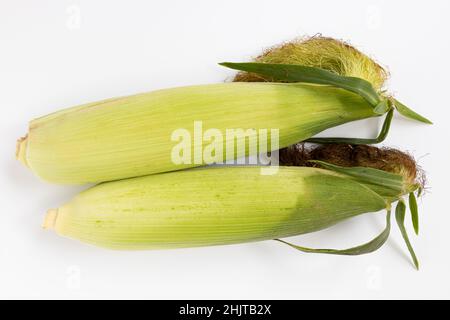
[(50, 219), (21, 148)]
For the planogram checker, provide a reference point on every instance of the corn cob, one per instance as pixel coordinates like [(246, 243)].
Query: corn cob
[(210, 207), (131, 136), (225, 205)]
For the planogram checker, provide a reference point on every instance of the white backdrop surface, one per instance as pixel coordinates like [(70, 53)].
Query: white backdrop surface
[(57, 54)]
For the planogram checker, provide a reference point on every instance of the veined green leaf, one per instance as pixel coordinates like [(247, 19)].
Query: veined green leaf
[(368, 247), (381, 136), (384, 183), (414, 212), (408, 113), (382, 107), (400, 217), (299, 73)]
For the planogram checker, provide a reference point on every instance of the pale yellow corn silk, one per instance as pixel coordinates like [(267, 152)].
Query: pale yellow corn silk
[(322, 52)]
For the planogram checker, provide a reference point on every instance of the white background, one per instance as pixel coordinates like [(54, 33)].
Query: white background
[(58, 53)]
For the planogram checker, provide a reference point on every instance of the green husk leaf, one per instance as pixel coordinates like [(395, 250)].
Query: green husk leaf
[(408, 113), (381, 136), (414, 212), (299, 73), (382, 107), (384, 183), (400, 217), (368, 247)]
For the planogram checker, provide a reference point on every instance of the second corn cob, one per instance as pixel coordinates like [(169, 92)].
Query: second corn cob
[(226, 205)]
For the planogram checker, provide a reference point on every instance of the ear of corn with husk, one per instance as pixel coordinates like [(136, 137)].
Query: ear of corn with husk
[(211, 206), (131, 136), (225, 205)]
